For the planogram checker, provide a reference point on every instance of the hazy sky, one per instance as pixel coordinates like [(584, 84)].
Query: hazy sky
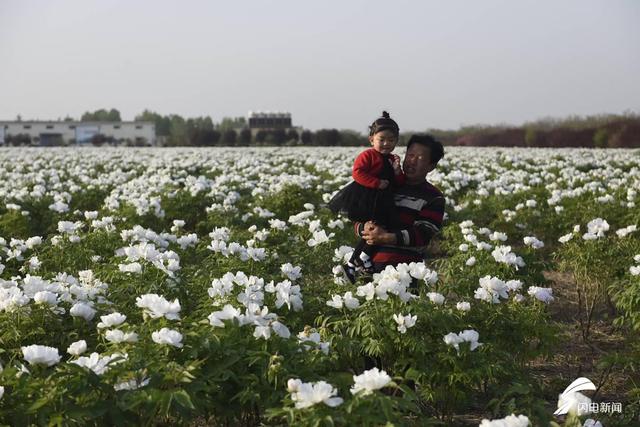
[(432, 64)]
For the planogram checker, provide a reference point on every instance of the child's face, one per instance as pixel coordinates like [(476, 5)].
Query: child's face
[(384, 141)]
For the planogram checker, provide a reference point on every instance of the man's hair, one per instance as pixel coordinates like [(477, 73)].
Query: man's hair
[(435, 147)]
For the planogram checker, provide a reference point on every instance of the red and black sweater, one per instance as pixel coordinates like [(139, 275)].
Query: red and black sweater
[(368, 166), (421, 210)]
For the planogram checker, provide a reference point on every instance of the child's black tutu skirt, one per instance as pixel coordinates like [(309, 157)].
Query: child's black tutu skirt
[(359, 203)]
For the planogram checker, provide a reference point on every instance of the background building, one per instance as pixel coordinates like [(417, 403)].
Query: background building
[(48, 133), (267, 122)]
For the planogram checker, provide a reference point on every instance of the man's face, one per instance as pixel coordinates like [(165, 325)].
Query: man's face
[(417, 163)]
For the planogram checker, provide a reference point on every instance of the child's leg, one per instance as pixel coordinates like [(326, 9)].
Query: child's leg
[(366, 256), (355, 259), (355, 262)]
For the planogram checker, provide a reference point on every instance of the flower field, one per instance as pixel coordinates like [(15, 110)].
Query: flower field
[(201, 287)]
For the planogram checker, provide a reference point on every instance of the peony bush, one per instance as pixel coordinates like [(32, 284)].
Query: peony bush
[(201, 286)]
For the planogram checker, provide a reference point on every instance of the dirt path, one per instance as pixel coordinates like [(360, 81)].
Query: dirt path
[(574, 357)]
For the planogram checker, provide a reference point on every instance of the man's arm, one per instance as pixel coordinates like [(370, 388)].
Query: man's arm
[(374, 234), (426, 225)]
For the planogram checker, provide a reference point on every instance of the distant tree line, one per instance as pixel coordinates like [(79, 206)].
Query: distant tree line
[(202, 131), (600, 131), (101, 115)]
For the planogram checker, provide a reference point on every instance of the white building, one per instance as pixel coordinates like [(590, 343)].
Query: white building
[(71, 132)]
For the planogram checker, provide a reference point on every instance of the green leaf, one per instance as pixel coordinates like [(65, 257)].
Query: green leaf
[(38, 404), (183, 399)]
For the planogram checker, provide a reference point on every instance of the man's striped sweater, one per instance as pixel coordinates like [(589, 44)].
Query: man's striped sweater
[(421, 209)]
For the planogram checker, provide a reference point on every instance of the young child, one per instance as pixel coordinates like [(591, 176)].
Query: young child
[(370, 196)]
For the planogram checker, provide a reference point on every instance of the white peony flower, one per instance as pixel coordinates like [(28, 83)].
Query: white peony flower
[(262, 331), (369, 381), (46, 297), (483, 246), (256, 254), (117, 336), (34, 263), (624, 232), (280, 329), (277, 224), (466, 224), (319, 237), (293, 385), (82, 309), (292, 273), (308, 394), (113, 319), (77, 348), (167, 336), (350, 301), (368, 291), (132, 384), (436, 298), (596, 229), (310, 336), (98, 364), (41, 355), (133, 267), (228, 312), (59, 207), (495, 236), (91, 214), (513, 285), (541, 294), (491, 290), (157, 306), (533, 242), (342, 254), (468, 335), (565, 238), (453, 339), (510, 421), (504, 255), (335, 302), (404, 322), (463, 306)]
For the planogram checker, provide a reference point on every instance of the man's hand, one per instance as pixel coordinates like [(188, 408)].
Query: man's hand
[(383, 184), (374, 234)]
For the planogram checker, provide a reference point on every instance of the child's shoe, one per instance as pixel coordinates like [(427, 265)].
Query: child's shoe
[(349, 272), (367, 265)]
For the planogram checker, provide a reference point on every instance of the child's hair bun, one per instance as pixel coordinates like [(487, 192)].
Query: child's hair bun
[(383, 123)]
